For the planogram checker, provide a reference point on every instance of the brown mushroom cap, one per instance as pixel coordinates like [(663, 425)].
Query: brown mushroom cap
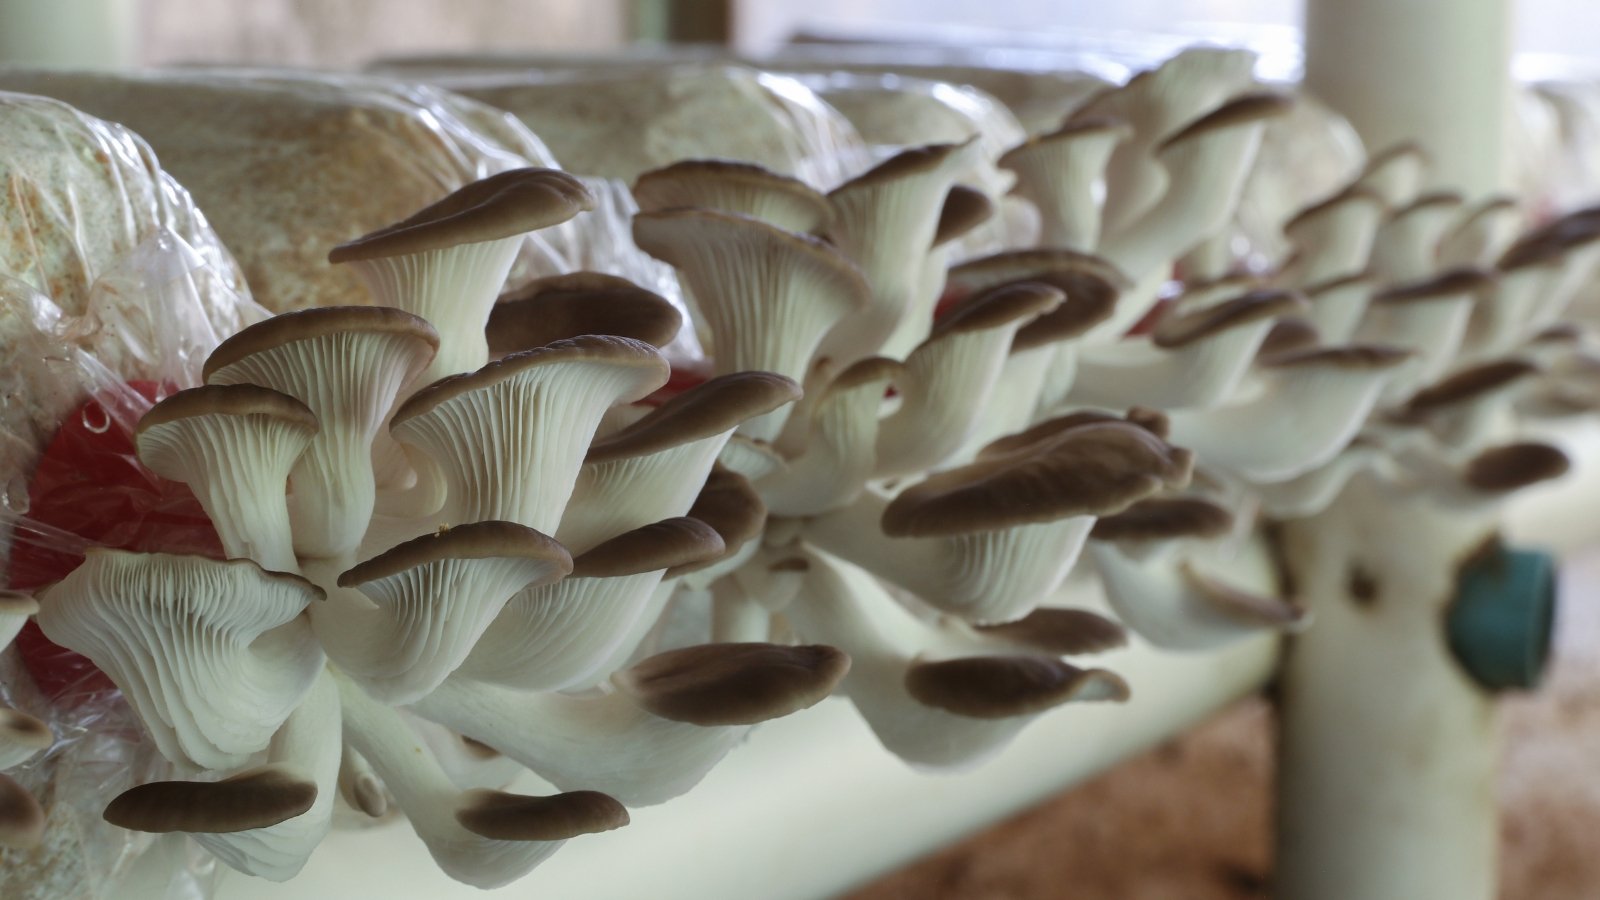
[(1352, 194), (1445, 286), (599, 347), (17, 728), (1091, 470), (478, 540), (1060, 632), (500, 206), (1515, 466), (998, 687), (21, 818), (1239, 111), (964, 209), (1073, 272), (1468, 384), (1151, 420), (684, 183), (707, 409), (306, 324), (228, 400), (1165, 518), (731, 506), (1242, 606), (550, 309), (1393, 153), (733, 684), (254, 799), (1290, 334), (911, 161), (500, 816), (1070, 130), (1553, 240), (667, 544), (1354, 357), (1188, 327), (998, 306)]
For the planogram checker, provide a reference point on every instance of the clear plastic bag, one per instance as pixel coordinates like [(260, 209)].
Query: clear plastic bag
[(140, 290), (288, 164), (620, 121)]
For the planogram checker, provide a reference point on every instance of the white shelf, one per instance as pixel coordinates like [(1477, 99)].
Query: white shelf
[(810, 806)]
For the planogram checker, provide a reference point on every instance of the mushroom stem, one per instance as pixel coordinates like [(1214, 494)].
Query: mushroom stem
[(309, 745), (429, 799), (844, 605)]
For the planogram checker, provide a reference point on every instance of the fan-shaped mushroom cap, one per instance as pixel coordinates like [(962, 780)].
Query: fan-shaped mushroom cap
[(736, 187), (653, 468), (448, 261), (623, 742), (1511, 467), (347, 365), (767, 296), (1156, 103), (1091, 470), (1480, 234), (514, 817), (22, 820), (211, 655), (1337, 306), (1206, 162), (558, 307), (235, 446), (1059, 631), (946, 381), (511, 436), (253, 799), (1310, 405), (1195, 358), (1428, 317), (1395, 173), (886, 220), (988, 541), (434, 597), (1332, 239), (964, 209), (1059, 172), (555, 636), (1406, 248), (836, 457)]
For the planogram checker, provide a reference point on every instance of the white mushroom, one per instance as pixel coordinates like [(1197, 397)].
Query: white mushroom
[(212, 656)]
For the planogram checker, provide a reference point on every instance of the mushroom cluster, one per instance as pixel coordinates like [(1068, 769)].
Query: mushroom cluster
[(417, 532), (471, 533)]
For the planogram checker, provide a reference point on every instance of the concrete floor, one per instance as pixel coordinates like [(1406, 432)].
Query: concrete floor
[(1191, 819)]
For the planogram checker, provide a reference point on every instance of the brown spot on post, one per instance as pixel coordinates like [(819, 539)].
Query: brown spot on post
[(1361, 586)]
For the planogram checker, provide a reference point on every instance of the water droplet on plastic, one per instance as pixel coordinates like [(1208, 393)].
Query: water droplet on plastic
[(96, 419)]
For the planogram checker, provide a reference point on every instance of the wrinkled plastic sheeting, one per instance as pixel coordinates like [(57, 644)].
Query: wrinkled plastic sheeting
[(289, 163), (147, 323)]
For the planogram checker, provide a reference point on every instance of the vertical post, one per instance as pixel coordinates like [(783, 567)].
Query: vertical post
[(92, 34), (1387, 747), (1436, 73)]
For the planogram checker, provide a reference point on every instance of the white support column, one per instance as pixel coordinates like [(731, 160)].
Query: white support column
[(1434, 72), (1386, 748)]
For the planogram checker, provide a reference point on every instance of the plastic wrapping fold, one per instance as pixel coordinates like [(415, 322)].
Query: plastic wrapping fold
[(113, 288), (87, 489), (620, 121), (288, 164)]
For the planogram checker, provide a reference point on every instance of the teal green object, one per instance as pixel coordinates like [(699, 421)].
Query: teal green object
[(1501, 622)]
